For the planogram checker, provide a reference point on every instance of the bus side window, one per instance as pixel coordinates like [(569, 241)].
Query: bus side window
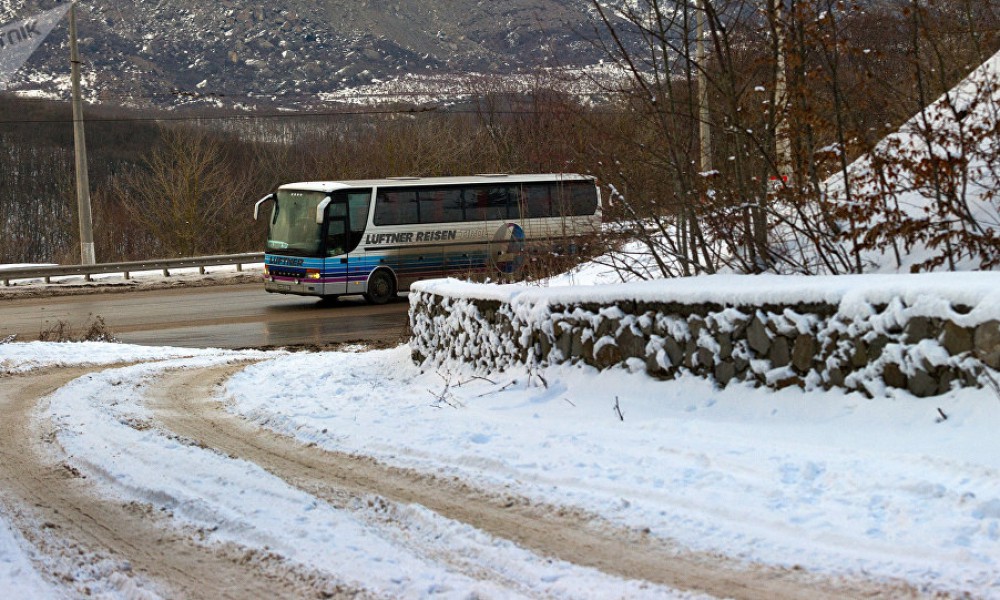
[(582, 198), (396, 207), (497, 203), (536, 201), (480, 204), (357, 207), (382, 209), (453, 205), (431, 206), (468, 201), (513, 203), (560, 200)]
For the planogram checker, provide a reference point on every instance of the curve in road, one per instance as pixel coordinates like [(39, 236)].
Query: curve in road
[(184, 403), (62, 513)]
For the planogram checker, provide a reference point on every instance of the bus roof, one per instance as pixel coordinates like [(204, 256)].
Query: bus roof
[(329, 186)]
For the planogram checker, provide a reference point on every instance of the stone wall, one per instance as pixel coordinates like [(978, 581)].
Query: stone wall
[(813, 345)]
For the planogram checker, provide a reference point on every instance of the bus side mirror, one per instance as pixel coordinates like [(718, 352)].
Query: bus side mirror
[(256, 207), (321, 210)]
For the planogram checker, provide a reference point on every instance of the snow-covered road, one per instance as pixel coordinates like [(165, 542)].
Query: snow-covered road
[(369, 476)]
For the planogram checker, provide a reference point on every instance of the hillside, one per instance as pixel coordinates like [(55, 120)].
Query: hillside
[(237, 52), (928, 191)]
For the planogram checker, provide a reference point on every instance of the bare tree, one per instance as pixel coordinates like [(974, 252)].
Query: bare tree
[(186, 192), (933, 185)]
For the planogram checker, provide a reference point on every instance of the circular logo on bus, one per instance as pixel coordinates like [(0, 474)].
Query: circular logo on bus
[(507, 249)]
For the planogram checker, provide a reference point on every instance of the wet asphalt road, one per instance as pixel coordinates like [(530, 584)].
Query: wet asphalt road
[(226, 316)]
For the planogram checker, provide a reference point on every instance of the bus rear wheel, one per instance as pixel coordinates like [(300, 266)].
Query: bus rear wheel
[(381, 288)]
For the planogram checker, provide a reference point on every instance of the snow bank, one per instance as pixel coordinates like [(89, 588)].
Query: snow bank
[(979, 290), (28, 356)]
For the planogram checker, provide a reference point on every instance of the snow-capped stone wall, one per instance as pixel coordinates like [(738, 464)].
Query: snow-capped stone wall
[(923, 333)]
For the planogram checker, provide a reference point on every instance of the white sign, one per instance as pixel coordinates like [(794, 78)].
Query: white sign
[(19, 39)]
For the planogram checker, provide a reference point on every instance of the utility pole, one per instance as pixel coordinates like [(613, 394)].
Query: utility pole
[(704, 116), (87, 256)]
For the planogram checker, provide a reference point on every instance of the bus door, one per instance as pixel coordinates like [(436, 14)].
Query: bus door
[(336, 268), (347, 216)]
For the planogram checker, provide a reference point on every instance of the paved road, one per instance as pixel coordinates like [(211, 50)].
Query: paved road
[(229, 316)]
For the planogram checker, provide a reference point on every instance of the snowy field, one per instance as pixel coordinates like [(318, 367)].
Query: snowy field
[(832, 482)]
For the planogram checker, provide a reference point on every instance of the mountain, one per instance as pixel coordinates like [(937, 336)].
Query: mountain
[(230, 52)]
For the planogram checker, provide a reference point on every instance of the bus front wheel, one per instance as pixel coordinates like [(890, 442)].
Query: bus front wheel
[(381, 288)]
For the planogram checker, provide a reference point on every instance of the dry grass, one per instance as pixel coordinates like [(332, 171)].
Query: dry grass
[(95, 330)]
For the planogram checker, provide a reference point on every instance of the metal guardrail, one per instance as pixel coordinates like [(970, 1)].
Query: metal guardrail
[(127, 268)]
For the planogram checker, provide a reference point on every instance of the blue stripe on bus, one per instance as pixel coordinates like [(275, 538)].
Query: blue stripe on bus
[(359, 268)]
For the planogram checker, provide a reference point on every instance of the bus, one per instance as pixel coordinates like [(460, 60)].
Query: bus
[(376, 237)]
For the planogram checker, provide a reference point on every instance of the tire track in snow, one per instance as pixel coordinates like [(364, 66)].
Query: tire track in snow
[(89, 543), (187, 403)]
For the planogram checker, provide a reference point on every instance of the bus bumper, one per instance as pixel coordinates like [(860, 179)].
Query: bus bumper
[(292, 287)]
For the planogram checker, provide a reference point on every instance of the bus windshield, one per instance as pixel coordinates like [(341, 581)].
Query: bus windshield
[(293, 229)]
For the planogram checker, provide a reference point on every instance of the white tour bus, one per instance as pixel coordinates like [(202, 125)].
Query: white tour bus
[(376, 237)]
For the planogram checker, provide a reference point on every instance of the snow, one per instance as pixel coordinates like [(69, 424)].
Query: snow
[(951, 129), (830, 481), (451, 88), (826, 480), (925, 294), (235, 501), (18, 578), (179, 274), (21, 358), (24, 265)]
